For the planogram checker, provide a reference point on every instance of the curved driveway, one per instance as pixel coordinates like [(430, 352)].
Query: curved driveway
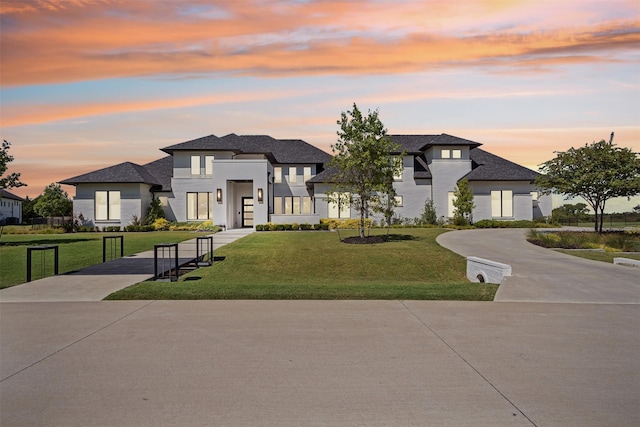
[(544, 275)]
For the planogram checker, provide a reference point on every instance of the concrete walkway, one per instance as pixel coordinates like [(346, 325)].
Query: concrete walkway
[(544, 275), (96, 282)]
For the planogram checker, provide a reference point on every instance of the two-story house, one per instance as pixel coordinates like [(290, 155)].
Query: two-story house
[(240, 181)]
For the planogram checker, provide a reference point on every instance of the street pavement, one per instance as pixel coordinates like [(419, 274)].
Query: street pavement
[(317, 363)]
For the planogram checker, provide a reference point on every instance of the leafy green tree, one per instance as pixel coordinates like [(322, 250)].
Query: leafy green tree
[(463, 203), (12, 180), (27, 209), (53, 202), (155, 211), (596, 172), (362, 161), (429, 215), (577, 210)]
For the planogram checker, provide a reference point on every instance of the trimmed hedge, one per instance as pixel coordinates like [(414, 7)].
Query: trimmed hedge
[(489, 223)]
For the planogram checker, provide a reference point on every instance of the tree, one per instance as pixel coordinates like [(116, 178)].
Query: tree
[(12, 180), (53, 202), (463, 203), (155, 211), (596, 172), (362, 161), (578, 211)]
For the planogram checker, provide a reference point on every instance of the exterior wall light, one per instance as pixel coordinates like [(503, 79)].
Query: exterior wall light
[(260, 195), (219, 195)]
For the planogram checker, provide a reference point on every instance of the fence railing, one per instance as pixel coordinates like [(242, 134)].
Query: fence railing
[(610, 221)]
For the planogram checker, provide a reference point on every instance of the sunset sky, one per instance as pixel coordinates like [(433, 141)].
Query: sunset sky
[(86, 84)]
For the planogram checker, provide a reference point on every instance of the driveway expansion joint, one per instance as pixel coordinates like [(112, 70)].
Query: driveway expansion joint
[(468, 363)]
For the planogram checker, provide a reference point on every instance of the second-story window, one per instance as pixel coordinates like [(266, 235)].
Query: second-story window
[(293, 175), (195, 165), (208, 165), (277, 175)]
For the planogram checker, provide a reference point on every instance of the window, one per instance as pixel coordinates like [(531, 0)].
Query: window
[(164, 201), (277, 205), (341, 207), (502, 204), (451, 154), (277, 175), (306, 205), (288, 205), (399, 200), (199, 206), (296, 205), (534, 196), (195, 165), (450, 199), (397, 162), (208, 165), (107, 205), (293, 175), (307, 173)]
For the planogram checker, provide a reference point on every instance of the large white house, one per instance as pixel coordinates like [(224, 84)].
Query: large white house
[(243, 180)]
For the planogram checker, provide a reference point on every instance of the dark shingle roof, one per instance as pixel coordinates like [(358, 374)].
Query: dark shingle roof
[(162, 170), (421, 168), (122, 173), (489, 167), (414, 144), (277, 150), (4, 194)]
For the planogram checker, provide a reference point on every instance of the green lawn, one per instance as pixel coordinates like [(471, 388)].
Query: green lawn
[(76, 250), (315, 265)]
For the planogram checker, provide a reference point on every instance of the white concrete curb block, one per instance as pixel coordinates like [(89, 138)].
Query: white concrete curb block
[(626, 261), (486, 271)]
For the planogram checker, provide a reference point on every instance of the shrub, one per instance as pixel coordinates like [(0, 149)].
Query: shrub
[(259, 227), (321, 226), (139, 228), (279, 227), (491, 223), (161, 224), (111, 229), (295, 226), (305, 226), (273, 227), (352, 223), (286, 227), (85, 229)]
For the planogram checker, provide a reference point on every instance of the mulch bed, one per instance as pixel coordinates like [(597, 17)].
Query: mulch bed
[(357, 240)]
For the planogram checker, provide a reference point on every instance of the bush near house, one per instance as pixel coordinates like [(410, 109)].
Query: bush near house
[(488, 223), (618, 241)]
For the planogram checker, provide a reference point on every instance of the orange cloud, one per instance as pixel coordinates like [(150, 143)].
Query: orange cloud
[(65, 42)]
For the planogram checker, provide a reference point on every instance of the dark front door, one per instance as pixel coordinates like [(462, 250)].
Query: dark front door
[(247, 211)]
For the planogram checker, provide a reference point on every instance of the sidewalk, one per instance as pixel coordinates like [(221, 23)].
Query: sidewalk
[(96, 282)]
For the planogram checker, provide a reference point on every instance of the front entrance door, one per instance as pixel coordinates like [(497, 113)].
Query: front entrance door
[(247, 212)]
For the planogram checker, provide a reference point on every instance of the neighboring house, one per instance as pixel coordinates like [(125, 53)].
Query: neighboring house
[(10, 208), (240, 181)]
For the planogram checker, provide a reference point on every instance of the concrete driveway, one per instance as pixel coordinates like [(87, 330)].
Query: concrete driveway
[(544, 275), (317, 363)]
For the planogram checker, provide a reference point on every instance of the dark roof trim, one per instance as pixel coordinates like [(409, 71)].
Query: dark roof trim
[(4, 194)]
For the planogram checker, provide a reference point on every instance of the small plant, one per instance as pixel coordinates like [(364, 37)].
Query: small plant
[(259, 227), (305, 226), (279, 227), (295, 226), (273, 227), (161, 224)]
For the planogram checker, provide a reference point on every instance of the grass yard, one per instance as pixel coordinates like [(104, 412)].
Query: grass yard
[(76, 250), (316, 265), (600, 256)]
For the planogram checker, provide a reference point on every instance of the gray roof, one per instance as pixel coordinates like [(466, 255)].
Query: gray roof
[(489, 167), (4, 194), (122, 173), (277, 150), (162, 170), (414, 144)]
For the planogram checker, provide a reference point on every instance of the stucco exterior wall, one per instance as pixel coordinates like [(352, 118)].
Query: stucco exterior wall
[(522, 199), (414, 192), (134, 201), (240, 178)]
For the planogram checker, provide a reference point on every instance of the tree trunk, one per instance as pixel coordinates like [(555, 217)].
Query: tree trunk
[(362, 212)]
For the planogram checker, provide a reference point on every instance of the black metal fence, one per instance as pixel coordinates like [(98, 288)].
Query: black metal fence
[(610, 221), (52, 222)]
